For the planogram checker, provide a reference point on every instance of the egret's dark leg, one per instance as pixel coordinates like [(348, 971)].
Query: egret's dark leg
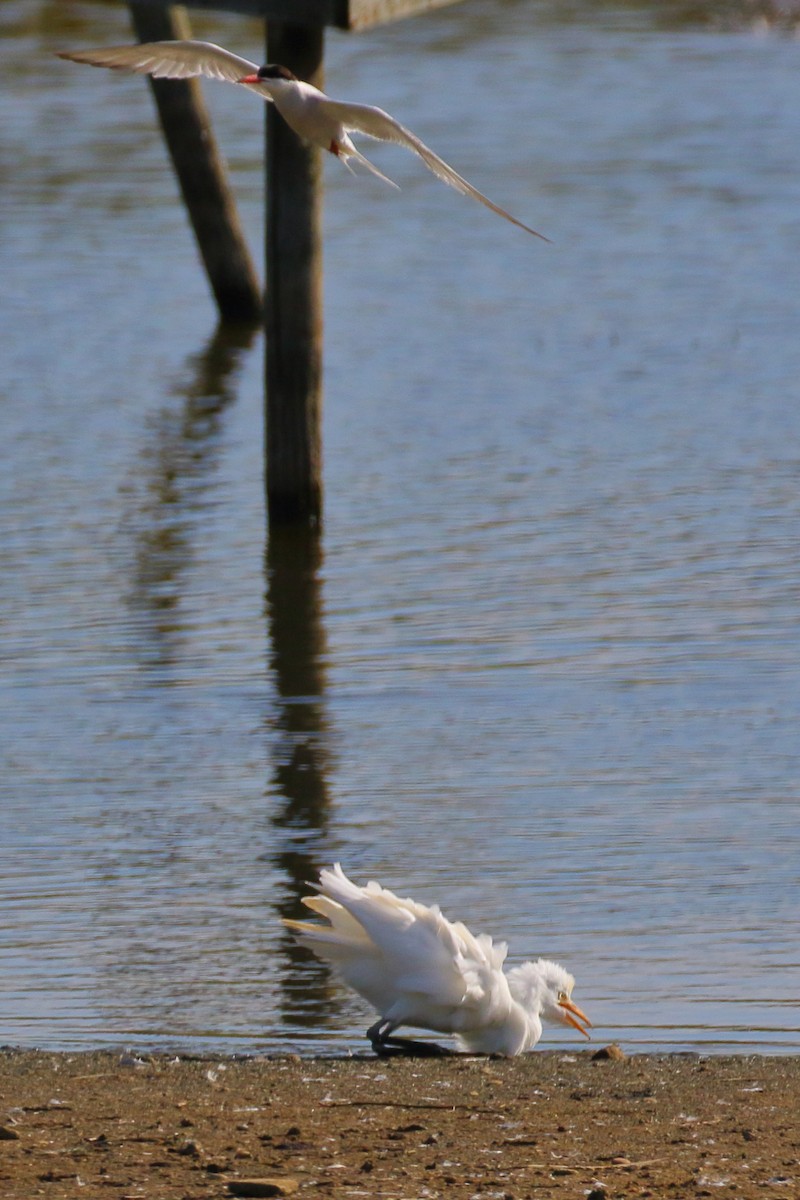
[(377, 1032), (412, 1047), (385, 1045)]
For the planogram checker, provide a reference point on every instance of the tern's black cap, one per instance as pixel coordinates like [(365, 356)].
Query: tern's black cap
[(275, 71)]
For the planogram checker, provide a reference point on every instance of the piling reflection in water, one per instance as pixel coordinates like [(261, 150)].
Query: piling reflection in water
[(180, 457), (300, 752)]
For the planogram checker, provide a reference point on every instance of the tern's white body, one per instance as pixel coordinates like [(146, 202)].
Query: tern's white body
[(417, 968), (308, 111)]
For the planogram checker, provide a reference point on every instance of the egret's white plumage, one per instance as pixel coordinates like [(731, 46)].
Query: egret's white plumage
[(308, 111), (417, 968)]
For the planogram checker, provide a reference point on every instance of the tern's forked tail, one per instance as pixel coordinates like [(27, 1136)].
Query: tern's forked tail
[(351, 152)]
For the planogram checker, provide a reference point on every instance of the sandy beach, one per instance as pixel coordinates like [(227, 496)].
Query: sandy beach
[(548, 1124)]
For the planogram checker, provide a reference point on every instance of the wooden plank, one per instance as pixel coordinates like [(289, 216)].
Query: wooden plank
[(344, 14), (293, 323), (300, 12), (201, 174), (365, 13)]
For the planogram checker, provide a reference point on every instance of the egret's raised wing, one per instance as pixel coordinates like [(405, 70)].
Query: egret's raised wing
[(169, 60), (375, 123), (425, 953)]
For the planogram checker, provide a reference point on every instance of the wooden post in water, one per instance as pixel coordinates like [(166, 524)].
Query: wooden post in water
[(293, 316), (201, 174), (293, 322)]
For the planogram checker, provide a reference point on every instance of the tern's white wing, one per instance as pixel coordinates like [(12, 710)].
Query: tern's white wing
[(375, 123), (169, 60)]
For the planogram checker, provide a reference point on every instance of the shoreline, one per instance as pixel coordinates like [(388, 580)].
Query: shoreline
[(94, 1124)]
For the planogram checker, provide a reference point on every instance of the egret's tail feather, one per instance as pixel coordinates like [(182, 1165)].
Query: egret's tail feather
[(341, 920), (345, 936), (320, 904), (333, 945), (323, 935)]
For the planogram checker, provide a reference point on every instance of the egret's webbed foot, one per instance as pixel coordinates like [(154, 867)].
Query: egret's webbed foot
[(386, 1046)]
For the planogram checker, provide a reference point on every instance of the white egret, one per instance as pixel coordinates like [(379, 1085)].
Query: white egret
[(417, 968), (309, 112)]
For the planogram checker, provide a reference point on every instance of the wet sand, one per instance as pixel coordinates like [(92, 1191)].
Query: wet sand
[(545, 1125)]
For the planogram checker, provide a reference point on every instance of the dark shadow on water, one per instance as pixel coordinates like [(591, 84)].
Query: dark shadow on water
[(299, 747), (179, 461)]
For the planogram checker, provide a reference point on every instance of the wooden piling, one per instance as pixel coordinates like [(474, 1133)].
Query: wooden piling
[(293, 323), (199, 167), (293, 311)]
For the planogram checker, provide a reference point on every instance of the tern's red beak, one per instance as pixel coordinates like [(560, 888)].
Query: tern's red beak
[(248, 79)]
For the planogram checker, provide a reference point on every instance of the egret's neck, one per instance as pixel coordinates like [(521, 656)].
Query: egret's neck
[(526, 986)]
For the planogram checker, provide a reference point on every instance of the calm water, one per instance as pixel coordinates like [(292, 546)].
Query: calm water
[(543, 663)]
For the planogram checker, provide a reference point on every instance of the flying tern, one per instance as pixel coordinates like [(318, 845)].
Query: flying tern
[(417, 968), (312, 115)]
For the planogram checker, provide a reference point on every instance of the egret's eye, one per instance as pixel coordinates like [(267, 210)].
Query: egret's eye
[(562, 997)]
